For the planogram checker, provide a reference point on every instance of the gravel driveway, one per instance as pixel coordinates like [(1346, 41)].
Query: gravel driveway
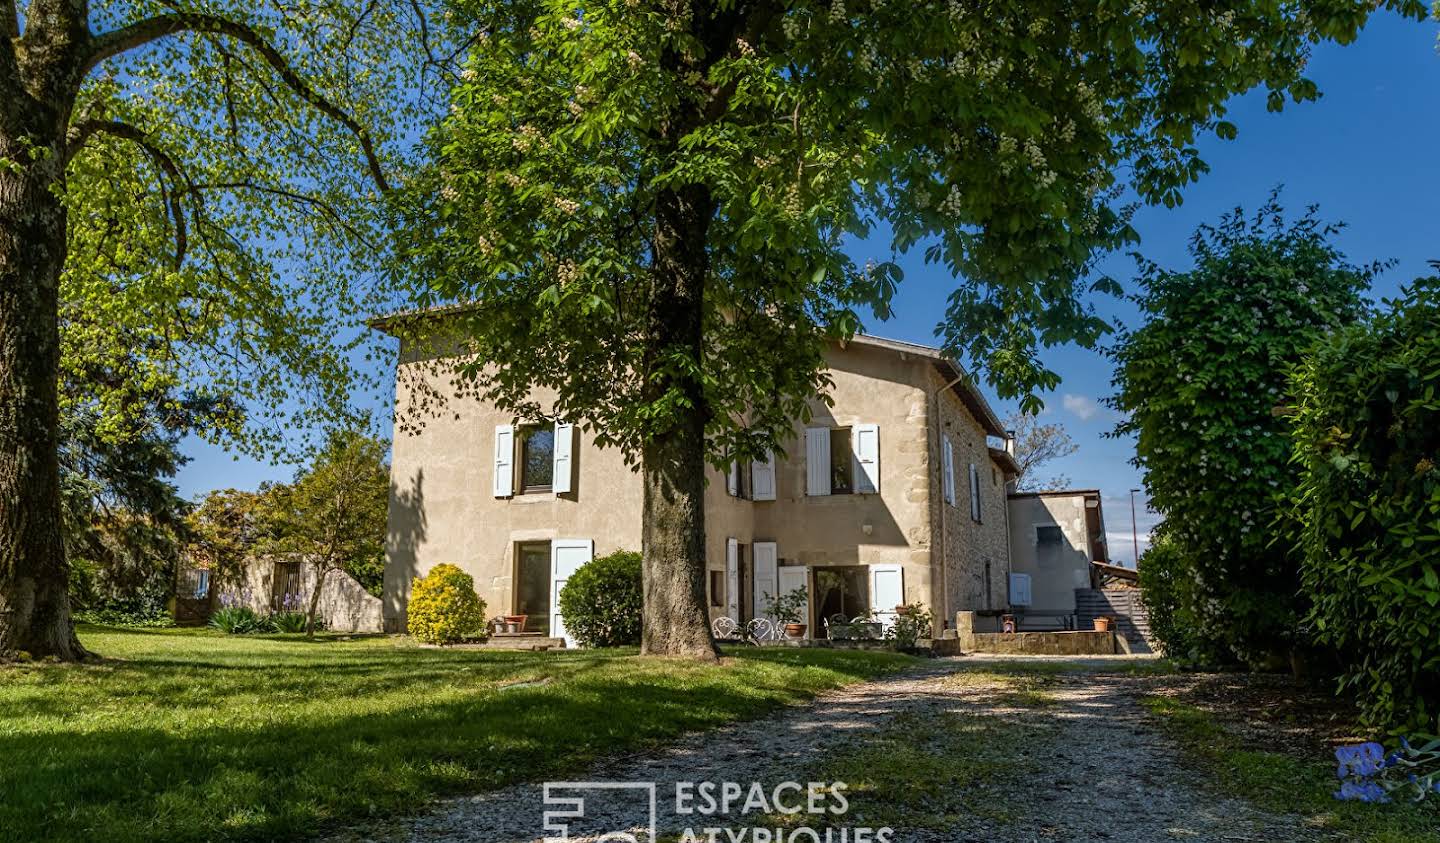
[(1097, 769)]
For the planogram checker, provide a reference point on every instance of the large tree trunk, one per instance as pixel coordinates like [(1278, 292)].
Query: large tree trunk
[(34, 577), (676, 619)]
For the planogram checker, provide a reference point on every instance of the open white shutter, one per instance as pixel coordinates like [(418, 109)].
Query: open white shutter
[(566, 557), (790, 577), (732, 479), (974, 492), (817, 460), (732, 579), (504, 460), (865, 442), (767, 558), (949, 466), (1019, 589), (762, 478), (564, 465), (887, 590)]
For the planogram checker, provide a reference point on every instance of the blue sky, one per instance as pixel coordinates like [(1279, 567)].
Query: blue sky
[(1368, 152)]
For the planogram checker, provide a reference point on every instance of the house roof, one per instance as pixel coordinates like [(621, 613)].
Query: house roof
[(1005, 460), (1057, 493), (1119, 572), (963, 386), (950, 370)]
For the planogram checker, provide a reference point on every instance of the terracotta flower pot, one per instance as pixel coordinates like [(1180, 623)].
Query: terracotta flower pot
[(795, 630), (1102, 624)]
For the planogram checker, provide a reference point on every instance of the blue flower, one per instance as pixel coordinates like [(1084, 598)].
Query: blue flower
[(1362, 760), (1370, 792)]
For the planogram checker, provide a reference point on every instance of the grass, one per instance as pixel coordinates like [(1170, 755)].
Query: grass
[(191, 735), (1285, 783)]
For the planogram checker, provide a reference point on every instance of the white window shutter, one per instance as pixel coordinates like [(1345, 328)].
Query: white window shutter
[(887, 590), (566, 557), (948, 463), (732, 479), (974, 492), (865, 442), (791, 577), (762, 478), (562, 481), (1019, 589), (732, 579), (817, 461), (767, 558), (504, 460)]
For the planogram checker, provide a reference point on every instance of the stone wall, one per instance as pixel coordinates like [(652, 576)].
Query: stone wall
[(345, 605), (971, 548)]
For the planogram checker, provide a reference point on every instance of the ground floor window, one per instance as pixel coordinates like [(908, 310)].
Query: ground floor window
[(841, 590), (532, 585)]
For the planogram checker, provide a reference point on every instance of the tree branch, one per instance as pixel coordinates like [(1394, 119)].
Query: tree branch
[(180, 185), (9, 22), (143, 32)]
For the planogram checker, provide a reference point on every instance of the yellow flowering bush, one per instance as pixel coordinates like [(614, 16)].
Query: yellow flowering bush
[(444, 607)]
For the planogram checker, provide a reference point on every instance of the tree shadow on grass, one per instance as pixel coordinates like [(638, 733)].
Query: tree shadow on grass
[(362, 737)]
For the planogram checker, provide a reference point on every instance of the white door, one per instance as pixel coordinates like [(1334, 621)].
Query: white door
[(790, 577), (732, 579), (887, 590), (566, 557), (766, 558)]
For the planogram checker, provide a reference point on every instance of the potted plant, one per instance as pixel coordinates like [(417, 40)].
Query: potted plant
[(789, 609), (910, 626), (1104, 624)]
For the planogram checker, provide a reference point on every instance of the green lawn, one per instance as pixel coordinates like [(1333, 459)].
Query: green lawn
[(190, 735)]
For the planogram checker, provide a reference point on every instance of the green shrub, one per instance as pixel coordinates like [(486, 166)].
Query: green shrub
[(444, 608), (1367, 435), (602, 601), (291, 622), (1167, 588), (143, 618), (1198, 384), (238, 620)]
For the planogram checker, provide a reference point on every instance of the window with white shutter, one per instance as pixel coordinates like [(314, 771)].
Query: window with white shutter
[(732, 479), (865, 440), (817, 461), (504, 482), (948, 459)]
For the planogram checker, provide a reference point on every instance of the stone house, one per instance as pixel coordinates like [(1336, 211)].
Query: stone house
[(1057, 542), (893, 495)]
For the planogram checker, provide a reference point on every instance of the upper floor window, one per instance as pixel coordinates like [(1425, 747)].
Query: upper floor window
[(842, 462), (537, 459), (1049, 536), (539, 454)]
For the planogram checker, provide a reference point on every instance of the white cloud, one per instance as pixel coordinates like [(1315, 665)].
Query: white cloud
[(1082, 406)]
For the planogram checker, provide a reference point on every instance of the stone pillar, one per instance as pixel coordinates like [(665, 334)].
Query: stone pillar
[(965, 630)]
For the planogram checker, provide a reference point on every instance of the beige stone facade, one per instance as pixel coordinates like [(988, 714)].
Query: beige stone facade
[(1054, 538), (767, 529)]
